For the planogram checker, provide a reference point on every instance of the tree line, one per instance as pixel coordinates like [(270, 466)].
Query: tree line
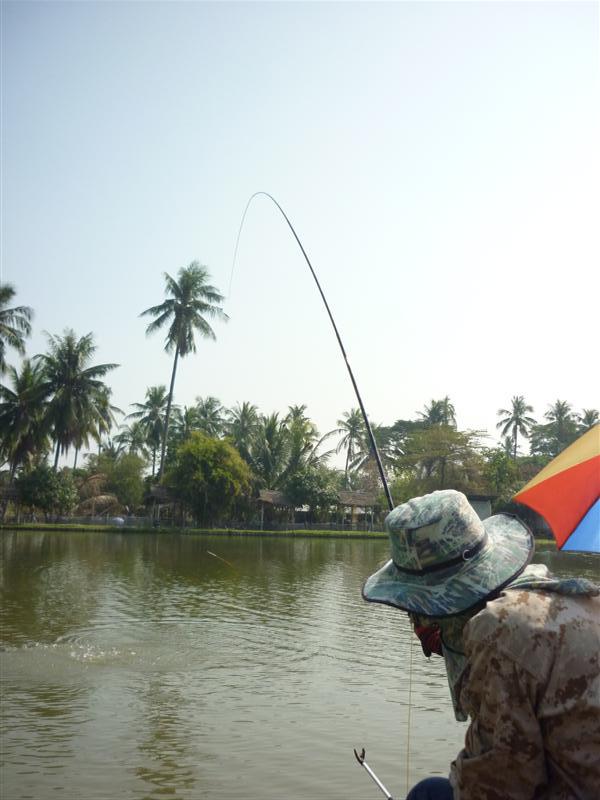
[(213, 460)]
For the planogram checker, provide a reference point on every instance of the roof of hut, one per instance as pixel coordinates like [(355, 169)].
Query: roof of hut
[(345, 498)]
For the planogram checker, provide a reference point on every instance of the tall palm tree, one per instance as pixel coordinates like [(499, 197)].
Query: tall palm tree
[(516, 420), (151, 416), (15, 324), (78, 396), (242, 421), (23, 428), (209, 416), (191, 300), (354, 434)]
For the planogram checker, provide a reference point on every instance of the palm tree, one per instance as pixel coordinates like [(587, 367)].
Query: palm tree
[(302, 433), (98, 422), (560, 417), (106, 418), (242, 421), (269, 457), (587, 419), (353, 432), (133, 438), (439, 412), (192, 300), (151, 416), (185, 421), (304, 440), (209, 416), (15, 324), (516, 420), (23, 428), (78, 397)]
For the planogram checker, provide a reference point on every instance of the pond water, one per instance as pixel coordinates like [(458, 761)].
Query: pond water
[(151, 666)]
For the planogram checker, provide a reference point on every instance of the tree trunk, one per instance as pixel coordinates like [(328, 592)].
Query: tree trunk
[(75, 459), (168, 414), (347, 482), (56, 456)]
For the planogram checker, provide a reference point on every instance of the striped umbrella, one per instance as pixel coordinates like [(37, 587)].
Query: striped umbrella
[(567, 494)]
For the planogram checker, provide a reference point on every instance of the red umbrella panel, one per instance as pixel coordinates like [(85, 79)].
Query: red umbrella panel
[(567, 494)]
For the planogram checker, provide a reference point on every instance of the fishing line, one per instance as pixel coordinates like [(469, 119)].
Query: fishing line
[(374, 448), (372, 442), (224, 560), (408, 717)]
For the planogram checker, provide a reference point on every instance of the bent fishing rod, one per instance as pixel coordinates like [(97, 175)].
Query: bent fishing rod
[(372, 442), (360, 757)]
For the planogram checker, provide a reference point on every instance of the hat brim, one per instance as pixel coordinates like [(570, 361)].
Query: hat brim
[(508, 550)]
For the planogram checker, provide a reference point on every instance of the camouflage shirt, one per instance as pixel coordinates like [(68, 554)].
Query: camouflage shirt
[(532, 691)]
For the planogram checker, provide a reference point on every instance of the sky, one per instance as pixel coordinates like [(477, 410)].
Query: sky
[(439, 162)]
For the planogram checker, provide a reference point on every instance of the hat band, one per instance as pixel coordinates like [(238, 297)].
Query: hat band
[(465, 556)]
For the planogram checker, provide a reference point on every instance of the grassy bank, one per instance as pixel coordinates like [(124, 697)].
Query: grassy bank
[(303, 533)]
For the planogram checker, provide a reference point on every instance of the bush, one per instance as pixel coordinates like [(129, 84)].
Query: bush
[(207, 477), (48, 491)]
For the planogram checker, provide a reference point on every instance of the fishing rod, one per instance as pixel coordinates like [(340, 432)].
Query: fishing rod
[(360, 757), (374, 448)]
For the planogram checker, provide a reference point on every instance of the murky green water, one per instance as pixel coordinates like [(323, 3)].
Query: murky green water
[(140, 666)]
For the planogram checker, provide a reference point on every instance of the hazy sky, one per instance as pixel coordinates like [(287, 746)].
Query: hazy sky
[(438, 160)]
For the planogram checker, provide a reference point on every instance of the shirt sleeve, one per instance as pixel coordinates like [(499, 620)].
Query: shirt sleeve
[(504, 753)]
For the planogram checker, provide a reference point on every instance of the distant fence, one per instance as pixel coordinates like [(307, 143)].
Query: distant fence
[(108, 520), (148, 522)]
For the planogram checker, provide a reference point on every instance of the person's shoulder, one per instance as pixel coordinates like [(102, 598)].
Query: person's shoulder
[(511, 609), (529, 626), (516, 624)]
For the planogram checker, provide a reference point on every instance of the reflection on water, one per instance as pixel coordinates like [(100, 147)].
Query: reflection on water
[(139, 666)]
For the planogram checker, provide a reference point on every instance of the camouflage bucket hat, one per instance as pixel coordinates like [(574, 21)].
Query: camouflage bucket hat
[(445, 560)]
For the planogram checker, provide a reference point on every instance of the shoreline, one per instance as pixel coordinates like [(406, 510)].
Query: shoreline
[(79, 528), (299, 533)]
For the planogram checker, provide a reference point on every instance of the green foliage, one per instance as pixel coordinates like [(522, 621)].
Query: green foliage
[(49, 491), (23, 428), (588, 418), (192, 301), (151, 416), (242, 422), (121, 475), (441, 457), (208, 476), (405, 485), (516, 421), (312, 486), (559, 432), (79, 406), (501, 476), (439, 412), (15, 324)]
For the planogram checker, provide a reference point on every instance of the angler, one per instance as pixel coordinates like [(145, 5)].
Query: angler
[(521, 648)]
